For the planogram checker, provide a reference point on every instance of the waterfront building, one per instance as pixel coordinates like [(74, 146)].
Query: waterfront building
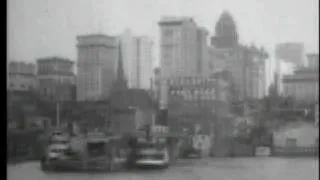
[(303, 85), (296, 138), (21, 76), (56, 79)]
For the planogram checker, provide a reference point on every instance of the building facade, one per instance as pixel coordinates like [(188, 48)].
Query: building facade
[(313, 60), (56, 79), (97, 64), (246, 64), (21, 76), (303, 85), (178, 47), (137, 59), (296, 138), (256, 74), (202, 52), (289, 52)]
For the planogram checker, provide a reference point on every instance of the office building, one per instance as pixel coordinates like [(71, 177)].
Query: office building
[(178, 47), (97, 64), (202, 52), (137, 53), (246, 64), (56, 79)]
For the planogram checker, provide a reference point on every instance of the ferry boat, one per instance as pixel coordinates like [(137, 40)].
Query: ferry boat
[(152, 154), (98, 153)]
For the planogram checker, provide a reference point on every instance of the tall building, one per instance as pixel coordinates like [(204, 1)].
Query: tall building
[(226, 35), (303, 85), (256, 74), (202, 52), (313, 60), (137, 60), (178, 47), (246, 64), (292, 53), (21, 76), (56, 79), (97, 64)]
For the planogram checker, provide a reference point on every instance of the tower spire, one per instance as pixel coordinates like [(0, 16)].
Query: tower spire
[(120, 82)]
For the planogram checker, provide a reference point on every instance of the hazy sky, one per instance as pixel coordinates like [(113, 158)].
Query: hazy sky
[(40, 28)]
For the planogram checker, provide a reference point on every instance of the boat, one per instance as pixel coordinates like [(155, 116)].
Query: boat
[(152, 154), (99, 153), (262, 151)]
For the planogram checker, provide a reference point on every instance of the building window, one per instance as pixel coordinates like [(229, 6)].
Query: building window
[(22, 86), (291, 142), (11, 85)]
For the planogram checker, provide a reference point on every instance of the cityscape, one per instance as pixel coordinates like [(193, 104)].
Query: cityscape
[(203, 98)]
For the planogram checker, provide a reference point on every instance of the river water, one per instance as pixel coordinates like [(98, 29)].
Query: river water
[(266, 168)]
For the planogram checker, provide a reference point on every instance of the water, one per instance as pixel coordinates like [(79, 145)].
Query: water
[(205, 169)]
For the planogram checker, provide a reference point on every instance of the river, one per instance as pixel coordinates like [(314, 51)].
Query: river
[(264, 168)]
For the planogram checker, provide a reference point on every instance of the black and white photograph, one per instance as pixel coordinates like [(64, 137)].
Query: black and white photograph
[(162, 89)]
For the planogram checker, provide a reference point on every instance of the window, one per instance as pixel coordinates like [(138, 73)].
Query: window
[(22, 85), (11, 85), (168, 32), (291, 142)]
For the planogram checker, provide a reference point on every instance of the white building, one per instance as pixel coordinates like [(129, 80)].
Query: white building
[(178, 47), (97, 61), (137, 60)]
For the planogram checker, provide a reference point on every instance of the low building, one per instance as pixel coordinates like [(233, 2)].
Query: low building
[(131, 110), (296, 138), (303, 85), (21, 76), (56, 79)]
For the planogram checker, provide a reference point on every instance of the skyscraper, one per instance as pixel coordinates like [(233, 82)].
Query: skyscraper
[(97, 64), (246, 64), (202, 52), (137, 60), (178, 47), (289, 52)]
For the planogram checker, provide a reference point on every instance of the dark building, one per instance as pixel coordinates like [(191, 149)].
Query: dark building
[(226, 35), (56, 79)]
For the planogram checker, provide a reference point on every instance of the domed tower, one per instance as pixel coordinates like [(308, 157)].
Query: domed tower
[(226, 34)]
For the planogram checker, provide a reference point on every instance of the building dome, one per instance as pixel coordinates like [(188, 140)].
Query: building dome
[(225, 27)]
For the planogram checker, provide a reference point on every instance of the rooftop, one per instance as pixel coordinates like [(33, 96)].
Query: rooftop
[(172, 19), (55, 58)]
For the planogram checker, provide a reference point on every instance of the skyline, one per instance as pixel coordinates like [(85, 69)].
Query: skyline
[(38, 28)]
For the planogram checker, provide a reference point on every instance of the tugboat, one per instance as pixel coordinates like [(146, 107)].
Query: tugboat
[(153, 154)]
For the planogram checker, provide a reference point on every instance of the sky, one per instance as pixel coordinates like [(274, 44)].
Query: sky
[(42, 28)]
